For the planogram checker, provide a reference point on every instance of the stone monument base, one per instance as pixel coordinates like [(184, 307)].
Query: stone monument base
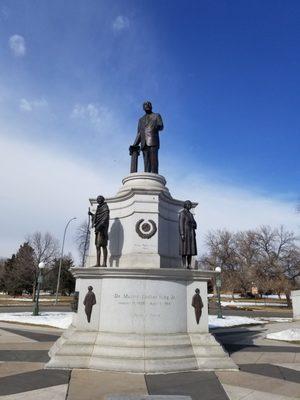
[(108, 351), (142, 322), (295, 294)]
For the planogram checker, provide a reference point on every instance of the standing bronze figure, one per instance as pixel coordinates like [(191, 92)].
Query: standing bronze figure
[(88, 302), (197, 304), (147, 135), (187, 228), (100, 222)]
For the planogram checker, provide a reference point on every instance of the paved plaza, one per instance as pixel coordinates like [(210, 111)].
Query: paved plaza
[(268, 370)]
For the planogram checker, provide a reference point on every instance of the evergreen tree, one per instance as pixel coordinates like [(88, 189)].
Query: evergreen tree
[(67, 281), (19, 271), (2, 267)]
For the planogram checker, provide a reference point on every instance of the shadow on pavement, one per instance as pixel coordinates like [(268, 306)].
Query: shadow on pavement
[(242, 339)]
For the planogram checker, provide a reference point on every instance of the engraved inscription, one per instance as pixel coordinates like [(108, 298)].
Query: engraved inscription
[(144, 300)]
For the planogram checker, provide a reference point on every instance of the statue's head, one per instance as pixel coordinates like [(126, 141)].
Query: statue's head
[(100, 199), (197, 291), (90, 288), (147, 106), (187, 204)]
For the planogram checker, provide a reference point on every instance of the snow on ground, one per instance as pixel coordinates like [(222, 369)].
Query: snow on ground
[(238, 296), (63, 319), (227, 296), (273, 296), (26, 299), (290, 335), (239, 304), (56, 319), (215, 322), (276, 319)]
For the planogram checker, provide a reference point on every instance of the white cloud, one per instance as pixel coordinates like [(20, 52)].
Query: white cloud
[(29, 105), (120, 23), (4, 13), (17, 45), (224, 206), (41, 189), (100, 117)]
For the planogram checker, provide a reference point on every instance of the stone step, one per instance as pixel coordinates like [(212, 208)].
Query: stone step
[(138, 353), (129, 339)]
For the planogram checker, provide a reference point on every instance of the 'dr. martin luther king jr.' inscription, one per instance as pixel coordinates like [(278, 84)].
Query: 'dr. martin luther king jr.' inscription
[(142, 299)]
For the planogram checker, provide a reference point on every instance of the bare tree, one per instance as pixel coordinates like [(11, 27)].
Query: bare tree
[(45, 246), (82, 239), (222, 248), (278, 263), (46, 250), (223, 253), (266, 257)]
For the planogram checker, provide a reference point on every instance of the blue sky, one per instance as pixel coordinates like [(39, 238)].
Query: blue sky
[(223, 74)]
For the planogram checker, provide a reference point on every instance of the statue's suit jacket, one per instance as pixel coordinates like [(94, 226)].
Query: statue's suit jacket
[(148, 127)]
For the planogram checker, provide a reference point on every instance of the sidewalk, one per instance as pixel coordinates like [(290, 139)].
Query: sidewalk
[(268, 370)]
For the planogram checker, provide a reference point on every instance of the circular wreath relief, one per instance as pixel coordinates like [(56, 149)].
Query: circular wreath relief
[(146, 229)]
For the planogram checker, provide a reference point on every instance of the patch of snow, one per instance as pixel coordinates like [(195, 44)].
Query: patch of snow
[(276, 319), (240, 304), (289, 335), (238, 296), (227, 321), (56, 319), (273, 296), (62, 320), (26, 299), (226, 296)]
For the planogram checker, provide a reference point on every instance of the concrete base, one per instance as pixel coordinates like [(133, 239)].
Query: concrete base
[(295, 294), (142, 322), (138, 353)]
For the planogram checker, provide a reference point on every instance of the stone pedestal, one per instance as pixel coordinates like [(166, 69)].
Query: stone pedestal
[(143, 230), (143, 322), (295, 294)]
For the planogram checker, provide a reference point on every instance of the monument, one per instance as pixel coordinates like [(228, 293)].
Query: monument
[(146, 311)]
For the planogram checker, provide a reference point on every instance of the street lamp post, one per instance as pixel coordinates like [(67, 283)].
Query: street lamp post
[(61, 257), (37, 297), (218, 285)]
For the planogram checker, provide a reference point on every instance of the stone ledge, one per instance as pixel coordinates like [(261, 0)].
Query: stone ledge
[(132, 273)]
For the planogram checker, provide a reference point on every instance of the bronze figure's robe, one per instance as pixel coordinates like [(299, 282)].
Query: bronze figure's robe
[(100, 223), (198, 305), (187, 227), (89, 302)]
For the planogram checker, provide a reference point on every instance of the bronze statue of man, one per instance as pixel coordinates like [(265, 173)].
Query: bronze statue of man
[(88, 302), (100, 221), (187, 228), (147, 135), (197, 304)]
